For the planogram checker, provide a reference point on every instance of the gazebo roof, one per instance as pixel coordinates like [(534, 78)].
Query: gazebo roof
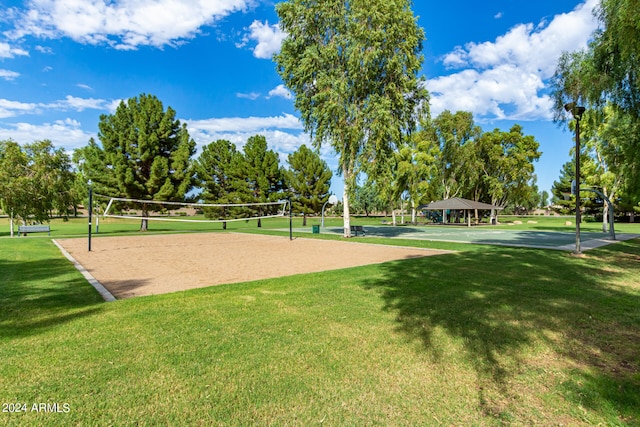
[(458, 203)]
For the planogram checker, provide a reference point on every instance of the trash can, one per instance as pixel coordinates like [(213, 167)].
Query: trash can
[(315, 229)]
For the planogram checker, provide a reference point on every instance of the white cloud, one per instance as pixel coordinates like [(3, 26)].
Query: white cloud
[(14, 108), (6, 51), (280, 91), (244, 124), (284, 133), (113, 105), (44, 49), (8, 74), (123, 24), (269, 38), (252, 96), (506, 78), (85, 87), (78, 104), (67, 133)]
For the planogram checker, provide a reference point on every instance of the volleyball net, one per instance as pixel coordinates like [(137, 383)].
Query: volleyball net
[(156, 210)]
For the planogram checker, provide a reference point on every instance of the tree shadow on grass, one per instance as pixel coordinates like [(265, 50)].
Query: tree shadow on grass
[(41, 294), (502, 302)]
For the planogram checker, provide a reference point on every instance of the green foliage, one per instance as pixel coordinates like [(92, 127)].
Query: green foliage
[(563, 201), (607, 70), (456, 135), (35, 180), (605, 77), (145, 153), (507, 164), (264, 176), (353, 69), (309, 178), (221, 173), (366, 200), (230, 176), (415, 168), (543, 198)]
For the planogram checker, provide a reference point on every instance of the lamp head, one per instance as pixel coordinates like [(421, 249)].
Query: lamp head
[(575, 110)]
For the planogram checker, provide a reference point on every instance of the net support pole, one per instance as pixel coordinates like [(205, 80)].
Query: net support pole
[(290, 220), (90, 212)]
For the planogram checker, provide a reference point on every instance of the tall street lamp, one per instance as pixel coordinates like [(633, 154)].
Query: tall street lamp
[(577, 112)]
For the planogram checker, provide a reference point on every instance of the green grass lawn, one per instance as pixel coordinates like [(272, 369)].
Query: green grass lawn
[(485, 336)]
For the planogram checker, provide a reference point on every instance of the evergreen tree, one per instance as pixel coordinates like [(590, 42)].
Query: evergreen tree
[(145, 154), (222, 175), (309, 178), (264, 177), (563, 201)]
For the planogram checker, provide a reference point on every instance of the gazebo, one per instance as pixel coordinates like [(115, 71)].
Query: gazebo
[(457, 203)]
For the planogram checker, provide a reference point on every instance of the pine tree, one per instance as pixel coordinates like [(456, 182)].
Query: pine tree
[(145, 154), (309, 178)]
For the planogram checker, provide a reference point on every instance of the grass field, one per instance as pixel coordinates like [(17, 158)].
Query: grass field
[(486, 336)]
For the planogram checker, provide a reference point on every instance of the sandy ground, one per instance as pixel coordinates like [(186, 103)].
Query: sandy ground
[(154, 264)]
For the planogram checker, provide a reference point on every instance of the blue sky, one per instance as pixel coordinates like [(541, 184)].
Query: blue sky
[(63, 63)]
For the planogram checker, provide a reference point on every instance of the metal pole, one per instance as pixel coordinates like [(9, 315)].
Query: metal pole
[(323, 206), (578, 219), (90, 212), (290, 220)]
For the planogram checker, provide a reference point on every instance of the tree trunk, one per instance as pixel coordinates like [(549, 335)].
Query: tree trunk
[(144, 224), (413, 212), (605, 217), (304, 219), (345, 204)]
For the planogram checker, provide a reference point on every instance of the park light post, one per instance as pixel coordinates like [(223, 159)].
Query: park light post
[(332, 200), (577, 112)]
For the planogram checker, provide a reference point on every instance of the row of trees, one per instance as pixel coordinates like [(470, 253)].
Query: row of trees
[(146, 154), (353, 69), (255, 176), (450, 156), (605, 79)]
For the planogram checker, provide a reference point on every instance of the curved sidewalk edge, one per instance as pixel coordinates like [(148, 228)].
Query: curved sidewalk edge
[(106, 295)]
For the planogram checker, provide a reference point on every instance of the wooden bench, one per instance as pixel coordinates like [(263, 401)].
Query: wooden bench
[(24, 229), (355, 229)]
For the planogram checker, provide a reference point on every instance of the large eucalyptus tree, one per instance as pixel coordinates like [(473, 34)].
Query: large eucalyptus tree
[(353, 66)]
